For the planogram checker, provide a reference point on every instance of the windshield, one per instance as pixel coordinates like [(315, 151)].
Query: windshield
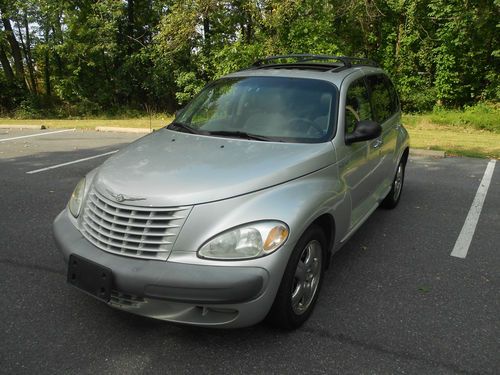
[(263, 108)]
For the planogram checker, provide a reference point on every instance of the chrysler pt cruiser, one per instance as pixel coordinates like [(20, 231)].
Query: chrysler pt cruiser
[(231, 213)]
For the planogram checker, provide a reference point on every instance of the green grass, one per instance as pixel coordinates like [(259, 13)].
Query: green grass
[(139, 122), (480, 117), (473, 132)]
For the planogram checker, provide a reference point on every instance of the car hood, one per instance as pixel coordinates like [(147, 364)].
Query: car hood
[(169, 168)]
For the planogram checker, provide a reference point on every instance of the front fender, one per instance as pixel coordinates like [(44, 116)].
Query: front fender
[(297, 203)]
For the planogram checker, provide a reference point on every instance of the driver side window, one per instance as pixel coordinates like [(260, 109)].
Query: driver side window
[(357, 105)]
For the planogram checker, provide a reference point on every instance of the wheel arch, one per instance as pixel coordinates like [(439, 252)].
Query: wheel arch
[(406, 154), (327, 224)]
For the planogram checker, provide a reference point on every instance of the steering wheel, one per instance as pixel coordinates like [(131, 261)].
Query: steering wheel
[(298, 123)]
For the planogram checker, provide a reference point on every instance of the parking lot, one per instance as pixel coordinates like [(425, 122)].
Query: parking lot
[(394, 300)]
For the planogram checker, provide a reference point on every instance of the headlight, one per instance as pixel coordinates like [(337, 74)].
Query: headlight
[(248, 241), (75, 202)]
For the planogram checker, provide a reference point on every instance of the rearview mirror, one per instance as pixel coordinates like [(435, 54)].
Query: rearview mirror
[(364, 131)]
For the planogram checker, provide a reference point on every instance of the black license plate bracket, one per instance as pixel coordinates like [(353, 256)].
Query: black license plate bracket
[(90, 277)]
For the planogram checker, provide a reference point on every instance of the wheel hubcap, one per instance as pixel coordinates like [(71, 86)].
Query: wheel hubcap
[(398, 181), (307, 276)]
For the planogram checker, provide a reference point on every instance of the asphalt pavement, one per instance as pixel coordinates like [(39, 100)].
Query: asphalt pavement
[(393, 301)]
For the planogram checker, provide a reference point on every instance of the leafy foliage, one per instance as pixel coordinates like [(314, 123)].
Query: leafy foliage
[(66, 58)]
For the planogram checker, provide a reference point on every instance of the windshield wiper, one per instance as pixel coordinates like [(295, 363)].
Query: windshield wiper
[(239, 134), (180, 126)]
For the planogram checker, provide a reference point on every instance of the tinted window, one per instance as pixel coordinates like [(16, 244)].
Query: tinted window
[(357, 105), (382, 100), (286, 109), (394, 95)]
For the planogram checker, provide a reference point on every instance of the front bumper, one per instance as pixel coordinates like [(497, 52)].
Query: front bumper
[(186, 293)]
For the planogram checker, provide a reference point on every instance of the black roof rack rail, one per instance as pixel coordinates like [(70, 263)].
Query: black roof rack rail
[(346, 61)]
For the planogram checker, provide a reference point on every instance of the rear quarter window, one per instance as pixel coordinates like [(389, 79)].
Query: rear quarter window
[(395, 106), (383, 97)]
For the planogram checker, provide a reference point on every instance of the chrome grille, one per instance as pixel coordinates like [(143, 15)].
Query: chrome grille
[(140, 232)]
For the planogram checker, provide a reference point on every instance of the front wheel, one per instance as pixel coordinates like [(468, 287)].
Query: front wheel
[(301, 281), (392, 199)]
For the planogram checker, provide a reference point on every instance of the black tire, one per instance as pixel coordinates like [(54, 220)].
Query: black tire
[(392, 198), (291, 315)]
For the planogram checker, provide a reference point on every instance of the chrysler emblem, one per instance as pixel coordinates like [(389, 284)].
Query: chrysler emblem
[(123, 197), (119, 197)]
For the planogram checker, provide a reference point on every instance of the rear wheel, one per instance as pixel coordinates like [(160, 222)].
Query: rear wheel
[(301, 281), (392, 199)]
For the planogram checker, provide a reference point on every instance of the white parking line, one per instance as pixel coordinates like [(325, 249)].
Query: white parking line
[(36, 135), (465, 237), (70, 162)]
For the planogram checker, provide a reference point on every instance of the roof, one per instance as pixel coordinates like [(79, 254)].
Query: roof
[(329, 68)]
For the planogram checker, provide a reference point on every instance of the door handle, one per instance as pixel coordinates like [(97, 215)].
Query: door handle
[(377, 143)]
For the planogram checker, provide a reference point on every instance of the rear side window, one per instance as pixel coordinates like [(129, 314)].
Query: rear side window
[(394, 95), (383, 97)]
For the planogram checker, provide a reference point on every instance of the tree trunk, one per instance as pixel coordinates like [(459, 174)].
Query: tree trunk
[(401, 31), (46, 68), (27, 54), (206, 30), (130, 25), (60, 71), (249, 30), (9, 74), (57, 29), (15, 50)]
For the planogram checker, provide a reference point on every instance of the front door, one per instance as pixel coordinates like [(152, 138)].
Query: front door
[(360, 159)]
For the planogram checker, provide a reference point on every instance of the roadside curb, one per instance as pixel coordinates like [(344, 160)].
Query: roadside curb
[(430, 153), (122, 130), (33, 127)]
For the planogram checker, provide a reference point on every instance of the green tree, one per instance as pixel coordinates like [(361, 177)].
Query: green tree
[(60, 57)]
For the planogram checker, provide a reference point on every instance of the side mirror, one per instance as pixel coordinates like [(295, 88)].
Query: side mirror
[(364, 131)]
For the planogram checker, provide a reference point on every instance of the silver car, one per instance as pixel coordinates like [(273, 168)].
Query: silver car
[(231, 214)]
